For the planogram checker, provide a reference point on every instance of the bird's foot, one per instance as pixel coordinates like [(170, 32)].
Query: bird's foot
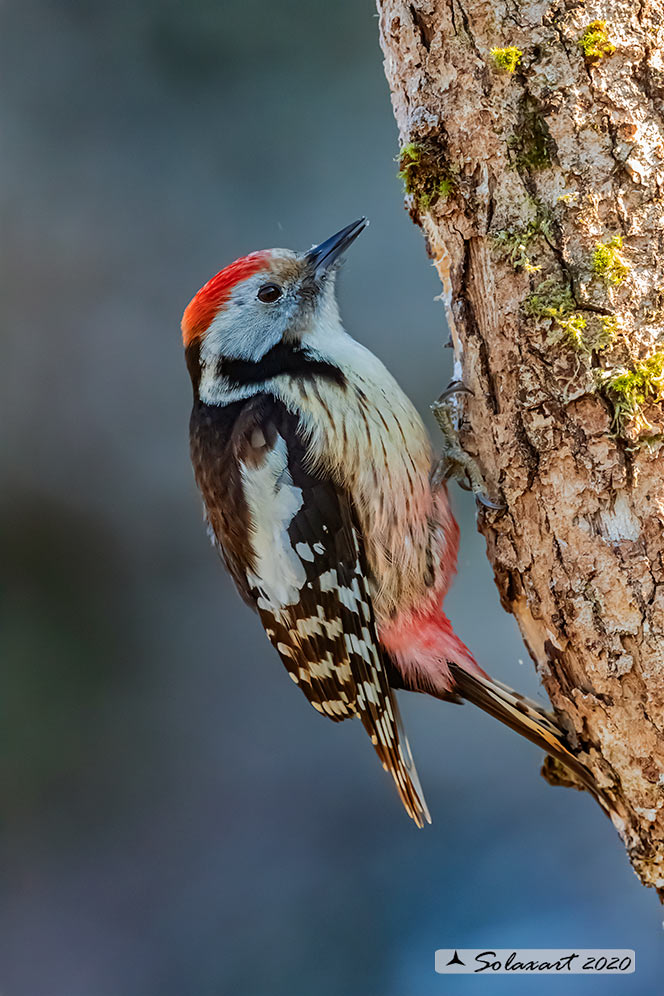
[(454, 462)]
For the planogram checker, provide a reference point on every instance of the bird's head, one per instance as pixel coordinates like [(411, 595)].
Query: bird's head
[(273, 299)]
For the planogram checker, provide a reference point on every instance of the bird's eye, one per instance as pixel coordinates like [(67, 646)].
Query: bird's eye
[(269, 293)]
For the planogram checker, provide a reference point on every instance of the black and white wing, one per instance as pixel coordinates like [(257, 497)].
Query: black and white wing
[(307, 574)]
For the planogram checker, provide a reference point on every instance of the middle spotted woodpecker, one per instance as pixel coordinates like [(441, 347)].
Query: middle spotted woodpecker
[(316, 475)]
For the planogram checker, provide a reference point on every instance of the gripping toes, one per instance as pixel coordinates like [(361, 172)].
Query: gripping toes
[(455, 462)]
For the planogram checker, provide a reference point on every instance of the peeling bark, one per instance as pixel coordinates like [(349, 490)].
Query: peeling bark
[(526, 184)]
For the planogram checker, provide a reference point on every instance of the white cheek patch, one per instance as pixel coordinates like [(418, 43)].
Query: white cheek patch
[(273, 501), (246, 332), (245, 327)]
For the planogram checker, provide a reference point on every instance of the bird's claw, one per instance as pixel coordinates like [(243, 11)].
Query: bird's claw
[(497, 506), (481, 497), (455, 462), (454, 387)]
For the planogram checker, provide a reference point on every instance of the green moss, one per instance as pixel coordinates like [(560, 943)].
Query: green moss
[(608, 263), (554, 301), (594, 42), (610, 327), (530, 144), (551, 299), (410, 153), (506, 59), (572, 331), (630, 390), (515, 243), (515, 249), (585, 331), (426, 174), (445, 187)]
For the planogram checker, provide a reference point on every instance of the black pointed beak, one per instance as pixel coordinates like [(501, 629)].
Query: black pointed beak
[(323, 256)]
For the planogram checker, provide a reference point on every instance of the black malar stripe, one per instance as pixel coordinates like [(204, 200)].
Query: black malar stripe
[(281, 359)]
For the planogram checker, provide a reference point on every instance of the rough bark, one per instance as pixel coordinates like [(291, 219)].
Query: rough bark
[(540, 193)]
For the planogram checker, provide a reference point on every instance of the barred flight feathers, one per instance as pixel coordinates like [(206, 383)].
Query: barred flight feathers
[(327, 638), (292, 541)]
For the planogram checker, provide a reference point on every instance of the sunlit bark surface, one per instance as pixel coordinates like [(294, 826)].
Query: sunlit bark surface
[(533, 161)]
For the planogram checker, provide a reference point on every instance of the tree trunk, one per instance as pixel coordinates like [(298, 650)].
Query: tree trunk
[(531, 152)]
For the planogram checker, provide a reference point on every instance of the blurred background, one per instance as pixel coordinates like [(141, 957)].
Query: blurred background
[(176, 818)]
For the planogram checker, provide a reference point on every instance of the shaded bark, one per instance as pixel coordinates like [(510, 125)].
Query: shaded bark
[(540, 194)]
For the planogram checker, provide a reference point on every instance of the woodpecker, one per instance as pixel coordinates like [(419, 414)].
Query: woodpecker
[(318, 484)]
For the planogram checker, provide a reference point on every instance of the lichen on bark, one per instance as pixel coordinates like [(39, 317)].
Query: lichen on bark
[(568, 150)]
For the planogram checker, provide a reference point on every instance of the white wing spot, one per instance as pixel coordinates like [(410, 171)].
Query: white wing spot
[(384, 732), (328, 580), (332, 627), (273, 501), (309, 627), (348, 598), (344, 671), (323, 668), (372, 694)]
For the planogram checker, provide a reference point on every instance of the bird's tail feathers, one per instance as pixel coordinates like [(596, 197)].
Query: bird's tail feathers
[(527, 718), (411, 792)]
